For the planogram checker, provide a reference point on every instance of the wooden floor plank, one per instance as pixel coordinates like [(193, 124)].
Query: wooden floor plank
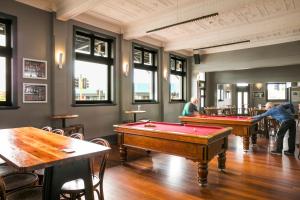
[(253, 175)]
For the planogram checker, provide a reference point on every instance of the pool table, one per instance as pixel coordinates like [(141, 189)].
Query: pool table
[(243, 126), (194, 142)]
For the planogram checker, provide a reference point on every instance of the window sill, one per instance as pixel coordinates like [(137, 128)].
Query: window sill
[(144, 102), (9, 107), (177, 101), (93, 105)]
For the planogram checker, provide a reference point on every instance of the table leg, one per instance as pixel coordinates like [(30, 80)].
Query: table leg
[(246, 141), (123, 154), (254, 138), (134, 117), (63, 123), (222, 161), (202, 173), (57, 175)]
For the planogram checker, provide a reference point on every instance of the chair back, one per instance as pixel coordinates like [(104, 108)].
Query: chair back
[(77, 136), (58, 131), (103, 159), (47, 128), (2, 189)]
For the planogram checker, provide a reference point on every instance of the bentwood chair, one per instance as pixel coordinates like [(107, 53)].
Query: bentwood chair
[(28, 193), (58, 131), (47, 128), (75, 189), (15, 181), (40, 172), (77, 136)]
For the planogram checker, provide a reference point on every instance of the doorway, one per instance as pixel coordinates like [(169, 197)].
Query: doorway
[(242, 93)]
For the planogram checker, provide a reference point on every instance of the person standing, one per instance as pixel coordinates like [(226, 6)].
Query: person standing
[(284, 115), (190, 108)]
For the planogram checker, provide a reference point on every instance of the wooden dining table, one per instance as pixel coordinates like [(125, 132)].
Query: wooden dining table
[(64, 158)]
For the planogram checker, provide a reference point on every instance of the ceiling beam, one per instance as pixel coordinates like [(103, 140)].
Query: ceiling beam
[(69, 9)]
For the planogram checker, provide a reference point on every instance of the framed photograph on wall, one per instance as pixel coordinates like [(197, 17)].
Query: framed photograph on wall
[(258, 94), (34, 93), (34, 69)]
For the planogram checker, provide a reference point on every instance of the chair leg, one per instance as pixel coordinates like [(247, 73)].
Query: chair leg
[(98, 194)]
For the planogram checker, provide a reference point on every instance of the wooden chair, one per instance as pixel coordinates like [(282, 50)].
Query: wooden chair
[(28, 193), (47, 128), (15, 181), (40, 172), (6, 169), (75, 189), (58, 131), (74, 128), (77, 136)]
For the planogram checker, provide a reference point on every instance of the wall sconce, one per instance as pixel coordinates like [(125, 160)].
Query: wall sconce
[(125, 69), (259, 85), (165, 74), (60, 59)]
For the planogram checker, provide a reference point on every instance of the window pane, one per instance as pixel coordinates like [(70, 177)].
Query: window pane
[(276, 91), (2, 35), (176, 87), (239, 103), (178, 65), (143, 84), (173, 65), (202, 102), (202, 92), (2, 79), (101, 48), (137, 56), (90, 81), (82, 44), (148, 58), (201, 76)]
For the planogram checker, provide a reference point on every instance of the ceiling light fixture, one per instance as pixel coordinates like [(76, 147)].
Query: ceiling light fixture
[(184, 22), (221, 45)]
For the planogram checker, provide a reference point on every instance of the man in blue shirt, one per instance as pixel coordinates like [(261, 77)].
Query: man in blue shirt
[(284, 115), (190, 108)]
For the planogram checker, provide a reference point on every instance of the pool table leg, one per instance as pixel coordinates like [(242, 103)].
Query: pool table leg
[(222, 161), (246, 141), (202, 173), (254, 138), (123, 154)]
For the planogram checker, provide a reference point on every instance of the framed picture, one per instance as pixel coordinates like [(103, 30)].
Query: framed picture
[(34, 93), (258, 94), (34, 69)]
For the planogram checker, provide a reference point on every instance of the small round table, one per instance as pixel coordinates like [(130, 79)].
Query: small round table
[(134, 112), (63, 118)]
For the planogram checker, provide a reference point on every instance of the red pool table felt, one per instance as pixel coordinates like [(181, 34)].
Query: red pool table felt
[(177, 128)]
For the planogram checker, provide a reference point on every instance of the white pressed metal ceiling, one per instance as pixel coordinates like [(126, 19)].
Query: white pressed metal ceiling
[(263, 22)]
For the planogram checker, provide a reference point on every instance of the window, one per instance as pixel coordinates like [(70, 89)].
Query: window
[(201, 89), (93, 68), (276, 91), (5, 62), (144, 74), (177, 78)]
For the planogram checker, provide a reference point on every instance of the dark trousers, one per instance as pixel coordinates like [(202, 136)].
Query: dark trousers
[(284, 127)]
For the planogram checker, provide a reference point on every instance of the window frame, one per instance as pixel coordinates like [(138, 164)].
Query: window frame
[(109, 61), (9, 52), (276, 100), (153, 68), (182, 74)]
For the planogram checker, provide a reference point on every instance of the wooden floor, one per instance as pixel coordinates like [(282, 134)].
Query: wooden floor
[(252, 175)]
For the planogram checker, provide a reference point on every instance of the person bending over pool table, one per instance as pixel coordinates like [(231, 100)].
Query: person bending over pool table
[(190, 108), (284, 115)]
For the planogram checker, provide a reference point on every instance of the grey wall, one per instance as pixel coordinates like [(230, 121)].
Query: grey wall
[(274, 63), (33, 41), (252, 76), (41, 36)]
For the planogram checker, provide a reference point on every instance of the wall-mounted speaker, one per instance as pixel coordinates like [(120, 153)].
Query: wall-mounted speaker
[(197, 58)]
